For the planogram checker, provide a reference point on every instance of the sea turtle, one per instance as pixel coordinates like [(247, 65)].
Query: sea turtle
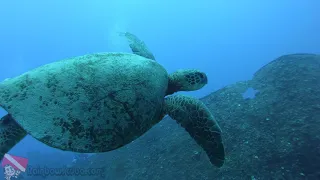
[(102, 101)]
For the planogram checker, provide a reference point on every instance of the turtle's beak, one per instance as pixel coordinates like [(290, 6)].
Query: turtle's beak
[(204, 79)]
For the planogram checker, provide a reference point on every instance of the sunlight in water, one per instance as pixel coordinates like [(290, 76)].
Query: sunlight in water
[(250, 93)]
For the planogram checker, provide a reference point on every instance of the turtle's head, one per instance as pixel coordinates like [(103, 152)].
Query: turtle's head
[(186, 80)]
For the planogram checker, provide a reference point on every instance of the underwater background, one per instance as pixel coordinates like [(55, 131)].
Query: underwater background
[(269, 46)]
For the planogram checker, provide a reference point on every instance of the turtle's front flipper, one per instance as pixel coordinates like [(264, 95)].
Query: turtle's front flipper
[(195, 117), (10, 134), (137, 46)]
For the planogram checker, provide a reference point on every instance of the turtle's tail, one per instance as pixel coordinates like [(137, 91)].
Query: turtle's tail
[(195, 117), (10, 134)]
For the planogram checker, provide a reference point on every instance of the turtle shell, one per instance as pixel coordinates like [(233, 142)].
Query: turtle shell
[(91, 103)]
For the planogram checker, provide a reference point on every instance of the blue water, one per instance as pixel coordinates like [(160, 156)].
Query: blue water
[(229, 40)]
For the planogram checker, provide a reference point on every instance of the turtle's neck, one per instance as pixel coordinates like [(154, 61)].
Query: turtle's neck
[(173, 86)]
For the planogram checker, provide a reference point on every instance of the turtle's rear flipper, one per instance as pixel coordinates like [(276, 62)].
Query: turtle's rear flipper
[(195, 117), (10, 134), (137, 46)]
